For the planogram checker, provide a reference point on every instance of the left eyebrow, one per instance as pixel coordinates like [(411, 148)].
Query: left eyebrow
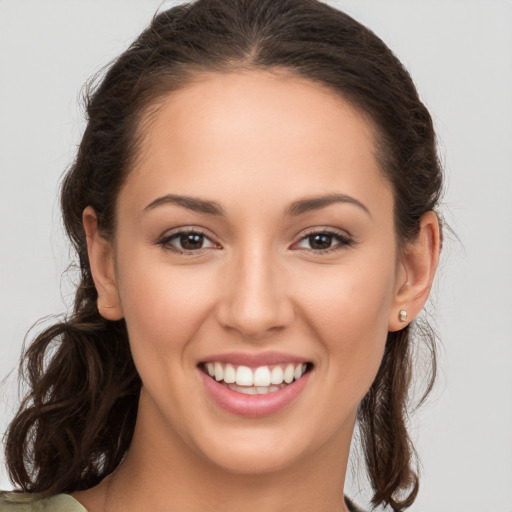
[(316, 203)]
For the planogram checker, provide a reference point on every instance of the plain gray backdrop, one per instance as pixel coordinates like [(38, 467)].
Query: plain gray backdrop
[(459, 53)]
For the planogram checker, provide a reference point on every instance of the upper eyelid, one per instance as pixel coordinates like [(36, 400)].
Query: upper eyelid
[(185, 229), (168, 236), (344, 239), (331, 231)]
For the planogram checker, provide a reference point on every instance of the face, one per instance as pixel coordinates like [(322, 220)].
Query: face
[(255, 242)]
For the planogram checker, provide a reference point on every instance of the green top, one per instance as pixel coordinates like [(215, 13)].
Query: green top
[(29, 502)]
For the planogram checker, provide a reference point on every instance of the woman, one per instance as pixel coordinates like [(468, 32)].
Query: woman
[(253, 206)]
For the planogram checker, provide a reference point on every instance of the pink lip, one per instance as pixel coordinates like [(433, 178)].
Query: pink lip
[(252, 405), (254, 360)]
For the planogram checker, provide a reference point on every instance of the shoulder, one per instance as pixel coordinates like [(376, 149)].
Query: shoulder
[(28, 502), (351, 506)]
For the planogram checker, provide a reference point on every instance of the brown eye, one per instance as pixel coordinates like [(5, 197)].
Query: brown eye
[(187, 241), (320, 241), (191, 241)]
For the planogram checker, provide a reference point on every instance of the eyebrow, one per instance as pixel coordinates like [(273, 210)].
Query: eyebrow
[(296, 208), (316, 203), (191, 203)]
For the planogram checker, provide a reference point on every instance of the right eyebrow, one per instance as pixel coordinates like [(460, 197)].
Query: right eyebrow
[(191, 203)]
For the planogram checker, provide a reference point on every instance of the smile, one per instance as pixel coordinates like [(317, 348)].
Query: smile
[(255, 381), (256, 385)]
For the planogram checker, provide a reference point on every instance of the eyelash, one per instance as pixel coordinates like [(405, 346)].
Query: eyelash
[(165, 242), (343, 241)]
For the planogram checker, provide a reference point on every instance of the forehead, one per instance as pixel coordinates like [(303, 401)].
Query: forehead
[(272, 134)]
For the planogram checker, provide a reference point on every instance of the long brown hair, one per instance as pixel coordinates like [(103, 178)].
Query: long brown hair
[(76, 423)]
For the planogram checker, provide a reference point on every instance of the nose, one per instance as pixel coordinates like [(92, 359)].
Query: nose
[(255, 299)]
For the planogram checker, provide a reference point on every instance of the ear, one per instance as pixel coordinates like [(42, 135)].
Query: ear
[(416, 272), (101, 260)]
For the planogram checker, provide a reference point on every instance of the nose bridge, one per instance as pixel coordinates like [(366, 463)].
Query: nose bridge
[(256, 300)]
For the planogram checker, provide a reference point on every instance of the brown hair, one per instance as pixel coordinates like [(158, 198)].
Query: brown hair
[(75, 425)]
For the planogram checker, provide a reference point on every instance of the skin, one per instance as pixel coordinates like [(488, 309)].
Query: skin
[(254, 142)]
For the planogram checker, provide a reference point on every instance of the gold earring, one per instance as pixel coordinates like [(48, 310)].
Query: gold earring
[(402, 315)]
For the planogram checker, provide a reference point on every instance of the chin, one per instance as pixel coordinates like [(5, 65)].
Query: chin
[(251, 458)]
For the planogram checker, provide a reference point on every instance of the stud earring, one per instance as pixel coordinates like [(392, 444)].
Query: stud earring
[(402, 315)]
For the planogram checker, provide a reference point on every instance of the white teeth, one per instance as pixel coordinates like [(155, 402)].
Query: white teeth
[(244, 376), (219, 372), (288, 374), (254, 390), (262, 376), (261, 380), (277, 375), (250, 390), (210, 367), (229, 374)]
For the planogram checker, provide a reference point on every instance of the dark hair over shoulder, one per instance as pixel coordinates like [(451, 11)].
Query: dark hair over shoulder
[(77, 421)]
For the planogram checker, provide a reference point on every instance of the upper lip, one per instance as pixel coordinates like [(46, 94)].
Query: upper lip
[(254, 360)]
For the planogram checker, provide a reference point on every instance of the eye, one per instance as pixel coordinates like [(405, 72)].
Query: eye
[(323, 241), (187, 241)]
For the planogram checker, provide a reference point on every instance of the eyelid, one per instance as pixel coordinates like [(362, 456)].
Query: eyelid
[(344, 239), (164, 240)]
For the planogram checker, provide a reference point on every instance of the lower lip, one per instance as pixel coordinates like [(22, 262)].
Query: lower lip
[(253, 405)]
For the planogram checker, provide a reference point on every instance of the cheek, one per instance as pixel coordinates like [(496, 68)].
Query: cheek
[(163, 305), (348, 309), (347, 300)]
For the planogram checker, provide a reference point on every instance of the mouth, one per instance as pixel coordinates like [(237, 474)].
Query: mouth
[(260, 380)]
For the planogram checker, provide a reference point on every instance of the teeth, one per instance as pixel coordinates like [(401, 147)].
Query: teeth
[(297, 374), (247, 390), (262, 376), (277, 375), (255, 390), (219, 372), (210, 367), (288, 373), (229, 374), (244, 376), (260, 380)]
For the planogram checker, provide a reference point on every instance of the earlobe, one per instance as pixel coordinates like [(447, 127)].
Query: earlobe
[(101, 260), (418, 266)]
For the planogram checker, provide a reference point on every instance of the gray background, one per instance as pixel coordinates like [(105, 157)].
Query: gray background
[(460, 55)]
